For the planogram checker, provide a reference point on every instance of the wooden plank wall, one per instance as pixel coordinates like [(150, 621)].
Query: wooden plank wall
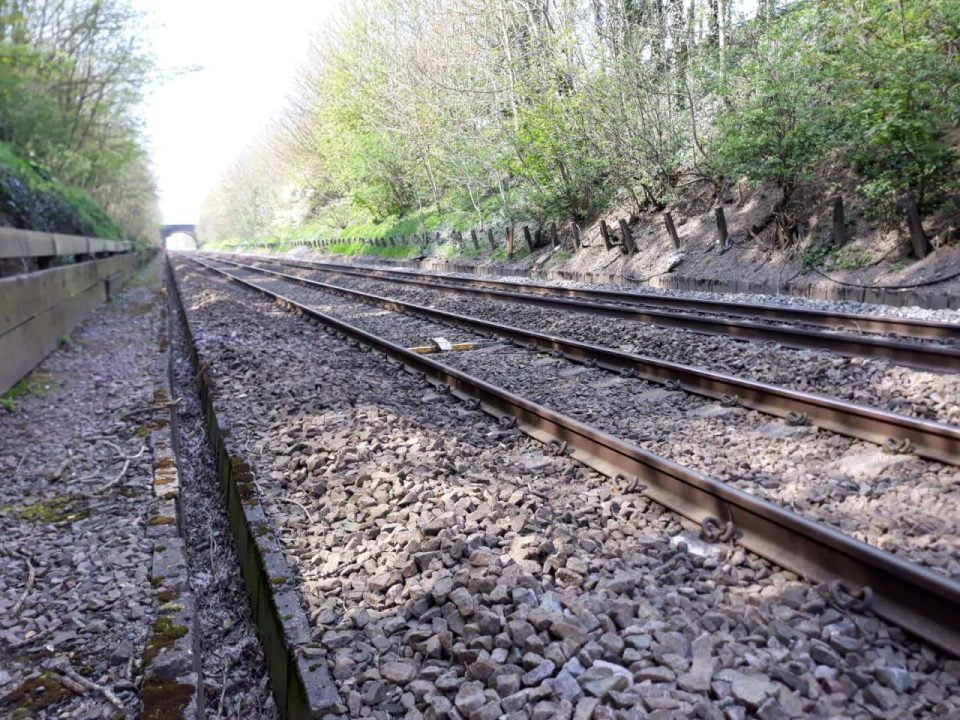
[(37, 309)]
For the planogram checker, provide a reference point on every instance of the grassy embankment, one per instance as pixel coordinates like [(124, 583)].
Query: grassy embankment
[(350, 225)]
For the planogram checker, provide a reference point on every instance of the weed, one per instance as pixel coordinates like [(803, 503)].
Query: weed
[(853, 261), (60, 508), (559, 257), (164, 699), (35, 695), (37, 384)]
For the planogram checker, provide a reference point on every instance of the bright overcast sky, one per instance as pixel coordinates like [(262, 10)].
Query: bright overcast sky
[(197, 123)]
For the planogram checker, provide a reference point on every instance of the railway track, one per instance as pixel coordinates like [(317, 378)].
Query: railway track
[(919, 600), (921, 344), (933, 440)]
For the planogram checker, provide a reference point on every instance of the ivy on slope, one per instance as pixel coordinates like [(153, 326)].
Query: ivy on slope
[(31, 198)]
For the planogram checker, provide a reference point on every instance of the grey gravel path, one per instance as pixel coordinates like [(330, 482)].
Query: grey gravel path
[(453, 568), (90, 605)]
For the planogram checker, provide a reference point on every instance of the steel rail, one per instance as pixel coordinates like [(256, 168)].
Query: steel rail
[(921, 355), (933, 440), (920, 601), (860, 322)]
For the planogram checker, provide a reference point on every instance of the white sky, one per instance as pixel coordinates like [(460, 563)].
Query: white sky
[(197, 123)]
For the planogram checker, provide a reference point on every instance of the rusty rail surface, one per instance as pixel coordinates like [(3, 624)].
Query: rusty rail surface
[(920, 601), (933, 440), (918, 351), (859, 322)]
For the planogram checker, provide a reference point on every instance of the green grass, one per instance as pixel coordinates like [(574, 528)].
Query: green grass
[(355, 249), (349, 226), (837, 258), (500, 254), (452, 251), (852, 261)]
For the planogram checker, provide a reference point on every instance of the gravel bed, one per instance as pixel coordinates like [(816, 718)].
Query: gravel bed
[(900, 503), (75, 592), (454, 568), (235, 681), (877, 383), (791, 301)]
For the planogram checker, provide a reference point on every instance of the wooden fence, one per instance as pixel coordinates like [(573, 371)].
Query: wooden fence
[(38, 308)]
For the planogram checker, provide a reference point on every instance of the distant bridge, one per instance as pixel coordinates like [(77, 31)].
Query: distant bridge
[(168, 230)]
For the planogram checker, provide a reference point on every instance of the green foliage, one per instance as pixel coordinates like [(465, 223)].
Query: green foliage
[(453, 251), (870, 82), (778, 130), (900, 94), (85, 215), (565, 174), (559, 257), (415, 117), (71, 77)]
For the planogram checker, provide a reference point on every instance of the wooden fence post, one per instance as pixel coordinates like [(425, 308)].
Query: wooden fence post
[(721, 228), (577, 242), (671, 229), (628, 246), (918, 238), (605, 232), (839, 222), (526, 236), (493, 243)]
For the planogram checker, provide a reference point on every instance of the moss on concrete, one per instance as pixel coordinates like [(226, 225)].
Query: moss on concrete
[(165, 633)]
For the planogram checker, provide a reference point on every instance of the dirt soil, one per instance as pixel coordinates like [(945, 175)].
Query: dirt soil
[(876, 252)]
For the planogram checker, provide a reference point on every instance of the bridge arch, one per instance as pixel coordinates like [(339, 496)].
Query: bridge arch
[(167, 231)]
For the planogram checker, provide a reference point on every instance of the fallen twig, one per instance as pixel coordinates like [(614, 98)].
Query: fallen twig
[(37, 636), (124, 455), (31, 578), (68, 672), (298, 504), (223, 691), (22, 458), (150, 408), (126, 464)]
